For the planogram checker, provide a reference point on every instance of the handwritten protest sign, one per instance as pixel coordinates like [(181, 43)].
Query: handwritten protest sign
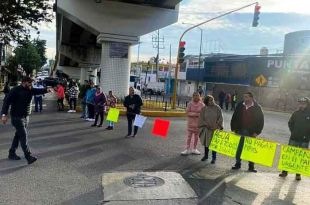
[(113, 115), (259, 151), (225, 143), (139, 121), (295, 160)]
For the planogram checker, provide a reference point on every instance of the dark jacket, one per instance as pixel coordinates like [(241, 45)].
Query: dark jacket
[(19, 99), (256, 123), (6, 89), (133, 100), (299, 125), (100, 101)]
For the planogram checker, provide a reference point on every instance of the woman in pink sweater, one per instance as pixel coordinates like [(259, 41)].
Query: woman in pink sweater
[(193, 111)]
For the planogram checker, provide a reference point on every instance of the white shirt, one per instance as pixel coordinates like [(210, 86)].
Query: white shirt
[(247, 107)]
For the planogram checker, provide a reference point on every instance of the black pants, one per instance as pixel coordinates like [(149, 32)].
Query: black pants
[(73, 103), (130, 119), (60, 104), (221, 104), (91, 111), (233, 105), (38, 103), (101, 117), (207, 153), (226, 105), (20, 125), (240, 147)]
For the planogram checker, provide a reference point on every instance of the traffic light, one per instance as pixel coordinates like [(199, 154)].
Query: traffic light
[(181, 52), (256, 15)]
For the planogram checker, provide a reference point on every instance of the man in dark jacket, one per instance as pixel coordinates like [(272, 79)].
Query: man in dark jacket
[(133, 103), (247, 120), (19, 99), (299, 125)]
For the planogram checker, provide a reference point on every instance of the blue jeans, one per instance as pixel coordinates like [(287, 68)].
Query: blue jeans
[(240, 147), (38, 103), (20, 124), (111, 124)]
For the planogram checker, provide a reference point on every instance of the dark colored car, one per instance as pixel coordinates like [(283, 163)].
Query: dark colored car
[(53, 82)]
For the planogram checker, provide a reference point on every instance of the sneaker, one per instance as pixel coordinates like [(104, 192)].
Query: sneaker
[(73, 110), (252, 170), (86, 119), (186, 152), (196, 152), (31, 159), (298, 177), (283, 174), (204, 158), (69, 111), (213, 161), (14, 156), (94, 125), (91, 120), (236, 167)]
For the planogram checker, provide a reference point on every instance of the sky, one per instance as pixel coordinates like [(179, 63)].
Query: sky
[(231, 34)]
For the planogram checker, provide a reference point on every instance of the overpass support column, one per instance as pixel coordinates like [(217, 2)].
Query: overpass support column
[(115, 63)]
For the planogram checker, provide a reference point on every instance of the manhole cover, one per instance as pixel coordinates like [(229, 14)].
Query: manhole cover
[(143, 180)]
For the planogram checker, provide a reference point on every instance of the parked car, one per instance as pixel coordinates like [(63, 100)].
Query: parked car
[(49, 81)]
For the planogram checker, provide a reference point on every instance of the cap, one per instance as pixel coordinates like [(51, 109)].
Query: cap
[(27, 79), (304, 99)]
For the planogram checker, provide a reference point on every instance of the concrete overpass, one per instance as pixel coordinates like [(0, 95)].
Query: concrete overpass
[(95, 36)]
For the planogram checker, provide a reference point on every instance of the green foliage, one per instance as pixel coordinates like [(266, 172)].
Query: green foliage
[(18, 16), (41, 48), (28, 57)]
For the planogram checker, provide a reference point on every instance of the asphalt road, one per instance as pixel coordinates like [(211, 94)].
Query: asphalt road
[(73, 156)]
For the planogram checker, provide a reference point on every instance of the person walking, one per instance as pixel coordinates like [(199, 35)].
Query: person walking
[(61, 97), (111, 103), (227, 100), (133, 103), (247, 120), (19, 99), (99, 105), (82, 96), (299, 125), (90, 95), (73, 96), (193, 111), (210, 119), (234, 101), (6, 89), (222, 98), (38, 99)]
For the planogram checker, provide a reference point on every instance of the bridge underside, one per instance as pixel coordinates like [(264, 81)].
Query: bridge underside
[(94, 37)]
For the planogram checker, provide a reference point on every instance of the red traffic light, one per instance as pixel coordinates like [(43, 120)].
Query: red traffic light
[(182, 44), (257, 8)]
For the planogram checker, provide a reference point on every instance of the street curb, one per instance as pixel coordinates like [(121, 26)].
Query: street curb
[(149, 113)]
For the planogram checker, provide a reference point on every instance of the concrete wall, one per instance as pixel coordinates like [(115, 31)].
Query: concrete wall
[(270, 98)]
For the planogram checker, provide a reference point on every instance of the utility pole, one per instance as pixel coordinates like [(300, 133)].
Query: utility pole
[(137, 65), (158, 43), (187, 30)]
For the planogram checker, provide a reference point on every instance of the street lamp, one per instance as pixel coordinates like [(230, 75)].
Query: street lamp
[(201, 31)]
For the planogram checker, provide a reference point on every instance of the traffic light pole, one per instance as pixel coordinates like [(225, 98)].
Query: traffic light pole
[(174, 97)]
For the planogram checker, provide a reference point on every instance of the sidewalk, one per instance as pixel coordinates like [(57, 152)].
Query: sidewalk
[(242, 187)]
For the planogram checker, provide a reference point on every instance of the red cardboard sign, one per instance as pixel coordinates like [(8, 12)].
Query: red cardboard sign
[(161, 127)]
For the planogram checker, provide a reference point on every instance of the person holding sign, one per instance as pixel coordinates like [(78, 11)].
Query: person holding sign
[(210, 119), (99, 105), (247, 120), (133, 103), (193, 111), (111, 103), (299, 125)]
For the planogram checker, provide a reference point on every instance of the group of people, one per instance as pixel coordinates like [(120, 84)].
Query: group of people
[(228, 99), (204, 117)]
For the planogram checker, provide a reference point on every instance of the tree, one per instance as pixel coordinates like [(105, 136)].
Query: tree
[(27, 56), (41, 48), (18, 16)]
